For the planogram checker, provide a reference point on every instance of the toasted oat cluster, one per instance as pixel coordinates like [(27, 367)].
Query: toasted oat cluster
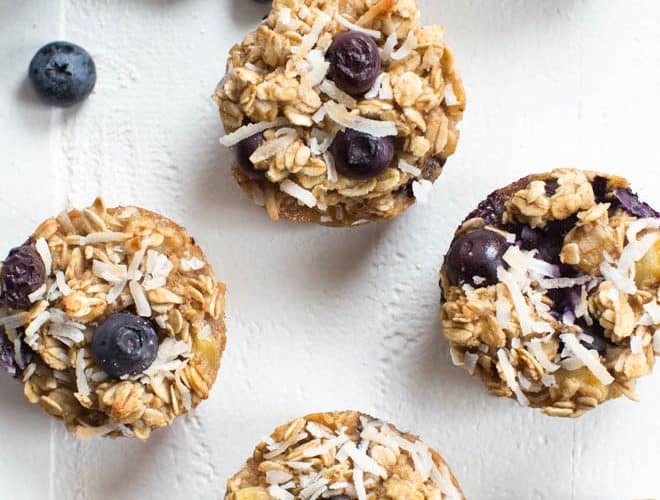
[(343, 455), (112, 319), (551, 289), (341, 111)]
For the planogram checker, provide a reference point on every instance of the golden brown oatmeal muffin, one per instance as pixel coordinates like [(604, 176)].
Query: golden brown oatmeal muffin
[(551, 288), (343, 455), (341, 111), (112, 319)]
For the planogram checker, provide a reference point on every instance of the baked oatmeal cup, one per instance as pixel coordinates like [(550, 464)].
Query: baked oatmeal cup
[(112, 319), (342, 455), (341, 111), (551, 288)]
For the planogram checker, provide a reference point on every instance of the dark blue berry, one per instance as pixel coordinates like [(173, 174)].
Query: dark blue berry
[(244, 150), (23, 272), (361, 156), (633, 205), (354, 62), (62, 73), (475, 253), (125, 344), (7, 360)]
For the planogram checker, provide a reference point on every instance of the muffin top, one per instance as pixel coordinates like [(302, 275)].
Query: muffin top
[(113, 320), (551, 290), (341, 111), (342, 455)]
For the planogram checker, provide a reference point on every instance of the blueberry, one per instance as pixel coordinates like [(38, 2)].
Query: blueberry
[(125, 344), (361, 156), (244, 150), (354, 62), (475, 253), (548, 241), (62, 73), (595, 330), (7, 360), (599, 186), (491, 209), (633, 205), (22, 273), (564, 300)]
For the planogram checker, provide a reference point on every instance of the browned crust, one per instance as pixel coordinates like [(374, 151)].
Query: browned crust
[(290, 209)]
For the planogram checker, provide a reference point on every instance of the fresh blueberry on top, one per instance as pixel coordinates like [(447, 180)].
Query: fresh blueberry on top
[(491, 209), (474, 257), (354, 62), (62, 73), (22, 273), (244, 150), (125, 344), (361, 156)]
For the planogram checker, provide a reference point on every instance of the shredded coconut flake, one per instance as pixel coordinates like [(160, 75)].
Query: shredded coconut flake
[(548, 380), (13, 321), (329, 88), (104, 237), (44, 252), (192, 264), (354, 27), (134, 267), (81, 378), (292, 189), (142, 306), (450, 96), (406, 167), (340, 115), (422, 190), (310, 39), (583, 354), (317, 67), (62, 285), (502, 311), (31, 330), (112, 273), (364, 461), (551, 283), (406, 48), (38, 293), (249, 130), (373, 92), (279, 493), (653, 310), (519, 302), (270, 148), (636, 344), (537, 351), (510, 376), (319, 116), (471, 360), (330, 166), (656, 341), (388, 47)]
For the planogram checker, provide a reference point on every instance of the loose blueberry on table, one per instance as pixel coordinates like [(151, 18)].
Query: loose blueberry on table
[(62, 74)]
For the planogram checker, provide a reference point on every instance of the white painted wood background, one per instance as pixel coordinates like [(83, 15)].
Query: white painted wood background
[(324, 319)]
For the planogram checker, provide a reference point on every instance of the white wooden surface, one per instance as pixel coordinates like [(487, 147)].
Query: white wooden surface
[(325, 319)]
